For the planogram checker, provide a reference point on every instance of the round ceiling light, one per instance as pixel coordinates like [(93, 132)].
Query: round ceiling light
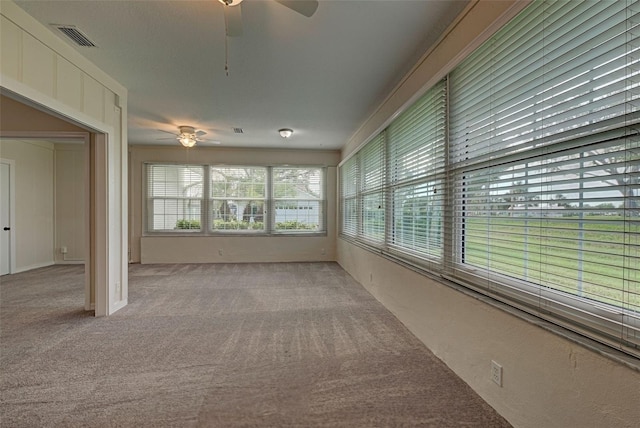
[(285, 132)]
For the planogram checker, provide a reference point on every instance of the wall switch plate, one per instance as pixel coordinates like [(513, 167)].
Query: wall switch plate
[(496, 373)]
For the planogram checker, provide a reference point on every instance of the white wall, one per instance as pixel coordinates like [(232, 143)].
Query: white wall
[(548, 380), (50, 204), (70, 202), (40, 69), (34, 201), (206, 249)]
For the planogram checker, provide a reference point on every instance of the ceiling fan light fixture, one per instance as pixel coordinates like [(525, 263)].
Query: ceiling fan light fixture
[(187, 137), (285, 132), (187, 141)]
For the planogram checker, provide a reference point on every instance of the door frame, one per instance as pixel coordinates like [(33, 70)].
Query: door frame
[(108, 267), (12, 212), (91, 181)]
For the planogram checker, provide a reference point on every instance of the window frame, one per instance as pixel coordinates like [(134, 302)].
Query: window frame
[(211, 199), (321, 202), (148, 202), (206, 215)]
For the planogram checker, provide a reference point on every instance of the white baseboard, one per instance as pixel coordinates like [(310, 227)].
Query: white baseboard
[(34, 266)]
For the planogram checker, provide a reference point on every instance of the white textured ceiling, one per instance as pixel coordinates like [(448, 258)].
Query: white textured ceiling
[(321, 76)]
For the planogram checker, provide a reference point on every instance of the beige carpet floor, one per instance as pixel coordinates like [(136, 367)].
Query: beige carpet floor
[(227, 345)]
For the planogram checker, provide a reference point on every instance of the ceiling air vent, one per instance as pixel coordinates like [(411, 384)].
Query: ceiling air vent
[(238, 130), (77, 36)]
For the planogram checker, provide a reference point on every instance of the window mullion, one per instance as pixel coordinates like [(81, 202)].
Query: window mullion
[(269, 218), (386, 192), (205, 209)]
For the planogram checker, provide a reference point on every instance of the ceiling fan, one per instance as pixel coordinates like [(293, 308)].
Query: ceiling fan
[(189, 136), (233, 12)]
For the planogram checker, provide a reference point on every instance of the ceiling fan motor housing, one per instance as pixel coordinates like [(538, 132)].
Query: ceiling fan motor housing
[(230, 2), (187, 130)]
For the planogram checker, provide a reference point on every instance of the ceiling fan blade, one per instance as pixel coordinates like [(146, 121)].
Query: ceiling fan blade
[(233, 20), (304, 7), (200, 133)]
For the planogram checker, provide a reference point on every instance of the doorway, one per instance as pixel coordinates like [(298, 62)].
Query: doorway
[(34, 116), (7, 255), (45, 127)]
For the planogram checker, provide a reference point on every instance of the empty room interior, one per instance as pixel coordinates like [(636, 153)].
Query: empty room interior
[(320, 213)]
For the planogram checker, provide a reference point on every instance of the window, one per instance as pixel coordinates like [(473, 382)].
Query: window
[(519, 176), (298, 197), (557, 222), (174, 197), (544, 151), (393, 189), (416, 166), (372, 182), (241, 199), (238, 198), (349, 196)]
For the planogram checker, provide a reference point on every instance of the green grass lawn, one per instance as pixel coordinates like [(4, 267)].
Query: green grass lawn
[(548, 252)]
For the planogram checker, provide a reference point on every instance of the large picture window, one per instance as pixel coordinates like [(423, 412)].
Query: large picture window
[(559, 222), (238, 197), (524, 182), (544, 153), (235, 199)]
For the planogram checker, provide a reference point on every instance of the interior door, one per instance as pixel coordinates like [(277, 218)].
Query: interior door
[(5, 219)]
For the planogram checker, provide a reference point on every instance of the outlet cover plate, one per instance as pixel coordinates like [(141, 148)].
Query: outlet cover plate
[(496, 373)]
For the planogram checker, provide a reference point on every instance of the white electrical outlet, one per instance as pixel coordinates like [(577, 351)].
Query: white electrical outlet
[(220, 251), (496, 373), (63, 250)]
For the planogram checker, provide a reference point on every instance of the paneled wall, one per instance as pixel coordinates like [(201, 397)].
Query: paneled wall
[(30, 61), (39, 69)]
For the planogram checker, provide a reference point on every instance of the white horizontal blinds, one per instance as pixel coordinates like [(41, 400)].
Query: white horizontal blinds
[(416, 150), (546, 166), (624, 171), (416, 138), (417, 219), (372, 164), (174, 194), (372, 183), (349, 196), (558, 70), (561, 221), (298, 195), (237, 198)]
